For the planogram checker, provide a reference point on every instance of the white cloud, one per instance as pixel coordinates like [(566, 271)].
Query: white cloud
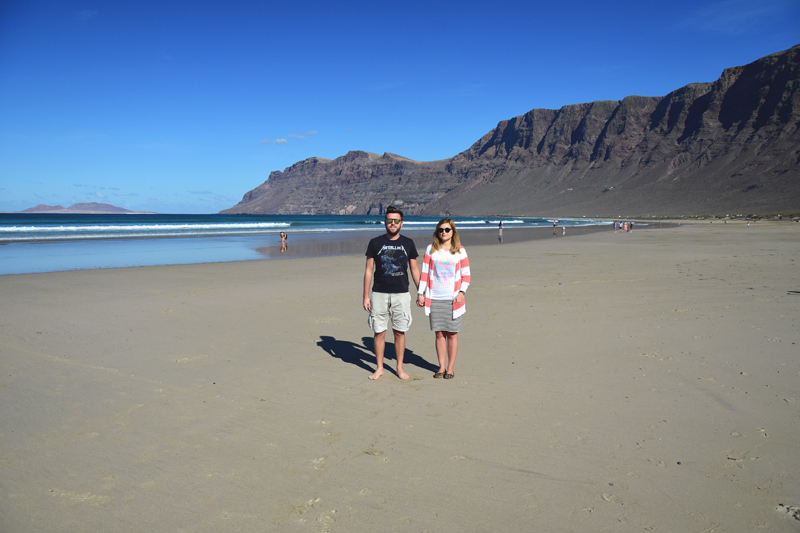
[(299, 135), (83, 17), (99, 195), (737, 16), (303, 134)]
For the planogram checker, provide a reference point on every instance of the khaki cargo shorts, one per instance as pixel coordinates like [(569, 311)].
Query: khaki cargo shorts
[(396, 307)]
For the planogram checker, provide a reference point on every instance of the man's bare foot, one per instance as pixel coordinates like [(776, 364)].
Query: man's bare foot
[(376, 375), (402, 375)]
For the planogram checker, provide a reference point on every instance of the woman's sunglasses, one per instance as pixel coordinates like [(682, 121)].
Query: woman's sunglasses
[(444, 230)]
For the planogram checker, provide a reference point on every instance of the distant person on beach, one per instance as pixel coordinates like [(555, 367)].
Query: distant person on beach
[(630, 226), (555, 224), (625, 226), (500, 232), (442, 291), (283, 242), (389, 256)]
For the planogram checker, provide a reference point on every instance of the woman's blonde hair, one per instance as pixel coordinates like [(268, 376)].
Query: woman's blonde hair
[(455, 244)]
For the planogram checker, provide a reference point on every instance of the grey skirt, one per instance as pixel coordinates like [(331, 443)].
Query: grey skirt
[(442, 317)]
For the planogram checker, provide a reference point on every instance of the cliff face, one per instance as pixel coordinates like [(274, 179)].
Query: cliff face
[(732, 145), (356, 183)]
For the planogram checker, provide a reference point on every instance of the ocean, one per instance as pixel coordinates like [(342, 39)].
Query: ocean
[(31, 243)]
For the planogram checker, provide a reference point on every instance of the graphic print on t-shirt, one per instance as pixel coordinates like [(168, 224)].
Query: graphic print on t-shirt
[(443, 275), (444, 269), (393, 260)]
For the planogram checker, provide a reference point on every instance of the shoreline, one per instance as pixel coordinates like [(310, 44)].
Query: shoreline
[(22, 258), (356, 244)]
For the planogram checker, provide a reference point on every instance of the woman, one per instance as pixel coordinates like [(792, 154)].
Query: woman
[(443, 283)]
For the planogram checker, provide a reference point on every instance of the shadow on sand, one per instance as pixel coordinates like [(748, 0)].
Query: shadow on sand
[(362, 355)]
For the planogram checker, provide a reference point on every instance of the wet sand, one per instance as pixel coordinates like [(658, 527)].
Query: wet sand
[(326, 244), (54, 256), (605, 382)]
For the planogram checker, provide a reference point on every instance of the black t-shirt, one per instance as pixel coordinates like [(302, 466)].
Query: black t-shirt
[(391, 263)]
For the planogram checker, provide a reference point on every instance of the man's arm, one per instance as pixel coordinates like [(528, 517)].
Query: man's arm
[(367, 283), (414, 271)]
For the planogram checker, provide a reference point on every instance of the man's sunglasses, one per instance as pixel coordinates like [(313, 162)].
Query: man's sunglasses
[(394, 220), (444, 230)]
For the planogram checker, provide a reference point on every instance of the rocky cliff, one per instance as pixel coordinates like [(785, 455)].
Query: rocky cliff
[(730, 146)]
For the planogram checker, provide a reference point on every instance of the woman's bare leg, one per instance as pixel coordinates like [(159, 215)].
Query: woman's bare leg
[(441, 350), (452, 351)]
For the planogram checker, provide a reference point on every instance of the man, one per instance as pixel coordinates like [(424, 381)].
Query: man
[(389, 256)]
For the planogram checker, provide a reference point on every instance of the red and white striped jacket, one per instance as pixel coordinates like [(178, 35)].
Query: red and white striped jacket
[(461, 283)]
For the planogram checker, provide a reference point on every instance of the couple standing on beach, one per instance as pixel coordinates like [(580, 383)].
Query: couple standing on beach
[(441, 289)]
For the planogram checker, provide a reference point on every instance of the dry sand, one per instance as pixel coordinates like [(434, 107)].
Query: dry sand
[(610, 382)]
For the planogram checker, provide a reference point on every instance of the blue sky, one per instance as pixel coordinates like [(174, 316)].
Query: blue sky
[(182, 107)]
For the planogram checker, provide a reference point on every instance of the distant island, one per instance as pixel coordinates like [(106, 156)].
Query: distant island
[(86, 208), (731, 146)]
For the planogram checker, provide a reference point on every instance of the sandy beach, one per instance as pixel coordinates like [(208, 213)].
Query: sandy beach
[(628, 382)]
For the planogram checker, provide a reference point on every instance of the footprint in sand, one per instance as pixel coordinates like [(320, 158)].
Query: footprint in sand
[(326, 519), (306, 507), (610, 498)]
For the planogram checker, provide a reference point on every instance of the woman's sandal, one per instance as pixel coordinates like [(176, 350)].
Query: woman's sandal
[(438, 375), (449, 376)]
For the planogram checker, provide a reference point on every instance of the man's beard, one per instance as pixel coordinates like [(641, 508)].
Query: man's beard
[(392, 230)]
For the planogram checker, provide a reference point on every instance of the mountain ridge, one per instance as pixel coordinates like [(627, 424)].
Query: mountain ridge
[(731, 145), (82, 208)]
